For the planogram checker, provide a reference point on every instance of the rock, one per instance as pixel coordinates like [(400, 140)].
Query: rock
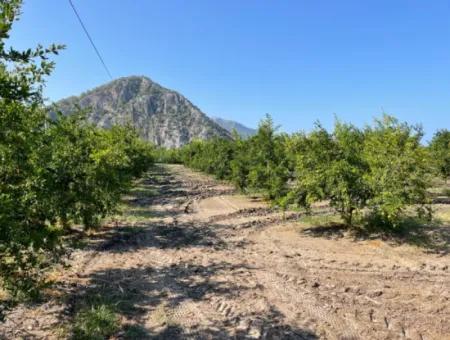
[(162, 116)]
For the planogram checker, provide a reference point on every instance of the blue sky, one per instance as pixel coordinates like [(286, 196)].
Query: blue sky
[(299, 60)]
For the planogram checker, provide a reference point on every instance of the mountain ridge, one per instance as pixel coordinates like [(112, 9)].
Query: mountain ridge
[(231, 125), (161, 115)]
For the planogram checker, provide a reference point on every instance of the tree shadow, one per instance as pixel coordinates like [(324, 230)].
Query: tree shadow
[(432, 236), (159, 189), (136, 293), (158, 235), (329, 231), (132, 291), (271, 326)]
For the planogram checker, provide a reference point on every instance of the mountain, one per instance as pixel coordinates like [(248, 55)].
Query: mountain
[(161, 116), (231, 125)]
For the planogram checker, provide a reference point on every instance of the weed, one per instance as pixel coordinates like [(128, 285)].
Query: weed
[(96, 322)]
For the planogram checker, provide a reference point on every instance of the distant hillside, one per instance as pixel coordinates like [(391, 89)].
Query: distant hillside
[(161, 116), (231, 125)]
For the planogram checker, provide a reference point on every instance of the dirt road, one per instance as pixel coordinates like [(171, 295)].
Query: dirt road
[(191, 259)]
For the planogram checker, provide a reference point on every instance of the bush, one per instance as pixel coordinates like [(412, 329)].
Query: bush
[(212, 156), (382, 169)]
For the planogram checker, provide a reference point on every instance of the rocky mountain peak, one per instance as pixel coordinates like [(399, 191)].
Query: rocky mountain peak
[(162, 116)]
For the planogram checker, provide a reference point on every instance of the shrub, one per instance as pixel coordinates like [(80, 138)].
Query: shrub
[(240, 164), (382, 169)]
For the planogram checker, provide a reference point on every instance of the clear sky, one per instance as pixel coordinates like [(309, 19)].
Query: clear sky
[(299, 60)]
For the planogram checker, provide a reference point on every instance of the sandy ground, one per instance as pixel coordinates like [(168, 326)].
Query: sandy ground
[(199, 261)]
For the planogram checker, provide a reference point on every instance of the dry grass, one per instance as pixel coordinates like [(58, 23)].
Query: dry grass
[(3, 294), (442, 212)]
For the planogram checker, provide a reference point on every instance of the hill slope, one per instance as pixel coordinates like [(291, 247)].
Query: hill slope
[(231, 125), (161, 116)]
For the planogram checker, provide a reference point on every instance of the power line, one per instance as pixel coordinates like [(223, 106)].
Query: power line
[(90, 39)]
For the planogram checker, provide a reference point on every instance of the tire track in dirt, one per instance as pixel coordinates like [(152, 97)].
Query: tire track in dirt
[(331, 293), (364, 310), (208, 264)]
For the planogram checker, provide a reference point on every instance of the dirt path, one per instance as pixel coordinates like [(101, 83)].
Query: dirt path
[(193, 260)]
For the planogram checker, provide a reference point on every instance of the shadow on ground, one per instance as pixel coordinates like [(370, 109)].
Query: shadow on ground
[(431, 236), (271, 323), (132, 291), (137, 293), (154, 235)]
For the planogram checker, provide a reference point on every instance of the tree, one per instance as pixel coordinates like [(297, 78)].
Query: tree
[(240, 164), (330, 167), (24, 232), (88, 169), (440, 150), (257, 163), (53, 172), (399, 170), (381, 170), (263, 161)]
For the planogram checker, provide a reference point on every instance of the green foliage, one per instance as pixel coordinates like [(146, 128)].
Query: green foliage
[(254, 164), (25, 235), (380, 170), (267, 161), (399, 169), (331, 167), (52, 173), (440, 150), (167, 155), (97, 322), (21, 72), (90, 168), (240, 164), (212, 156)]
